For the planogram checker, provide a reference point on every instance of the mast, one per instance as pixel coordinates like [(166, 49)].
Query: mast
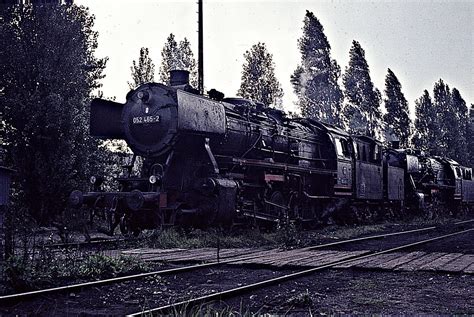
[(201, 49)]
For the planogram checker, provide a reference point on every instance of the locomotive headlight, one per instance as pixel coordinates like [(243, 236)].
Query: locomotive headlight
[(143, 96), (93, 180), (153, 179)]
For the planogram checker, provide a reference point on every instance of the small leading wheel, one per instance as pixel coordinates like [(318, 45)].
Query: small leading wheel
[(124, 225)]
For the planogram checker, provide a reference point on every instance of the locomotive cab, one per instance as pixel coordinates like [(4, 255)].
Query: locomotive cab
[(368, 168)]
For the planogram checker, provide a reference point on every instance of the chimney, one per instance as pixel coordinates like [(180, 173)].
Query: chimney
[(179, 78), (395, 144)]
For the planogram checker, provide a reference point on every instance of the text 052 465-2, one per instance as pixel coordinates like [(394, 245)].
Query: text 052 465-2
[(145, 119)]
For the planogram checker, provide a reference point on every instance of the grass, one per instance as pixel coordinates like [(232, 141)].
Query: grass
[(341, 232), (176, 238), (50, 269)]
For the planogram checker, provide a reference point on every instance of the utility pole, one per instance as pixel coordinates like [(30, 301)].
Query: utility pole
[(201, 50), (6, 233)]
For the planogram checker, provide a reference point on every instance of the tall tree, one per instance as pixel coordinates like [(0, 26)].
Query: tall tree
[(396, 118), (48, 70), (426, 123), (177, 56), (258, 77), (442, 126), (186, 57), (456, 138), (362, 113), (470, 136), (143, 71), (315, 80), (444, 117)]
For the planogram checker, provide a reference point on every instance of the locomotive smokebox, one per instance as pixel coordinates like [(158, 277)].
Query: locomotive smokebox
[(179, 77)]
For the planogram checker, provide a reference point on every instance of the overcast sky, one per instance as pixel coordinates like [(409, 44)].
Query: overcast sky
[(421, 41)]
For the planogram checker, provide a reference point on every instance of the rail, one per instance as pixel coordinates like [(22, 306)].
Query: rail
[(242, 289), (240, 257)]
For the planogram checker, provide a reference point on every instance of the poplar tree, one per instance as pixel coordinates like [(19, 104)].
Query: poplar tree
[(143, 71), (426, 123), (456, 138), (258, 80), (442, 125), (186, 57), (175, 56), (315, 80), (470, 136), (362, 112), (396, 118), (48, 71), (444, 117)]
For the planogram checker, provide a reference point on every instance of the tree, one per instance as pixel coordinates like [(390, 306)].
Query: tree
[(362, 113), (47, 72), (315, 80), (143, 71), (177, 56), (444, 117), (426, 123), (258, 77), (442, 126), (396, 118), (186, 57), (456, 134), (470, 136)]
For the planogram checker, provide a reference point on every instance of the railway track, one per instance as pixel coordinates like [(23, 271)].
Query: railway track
[(229, 260), (229, 293)]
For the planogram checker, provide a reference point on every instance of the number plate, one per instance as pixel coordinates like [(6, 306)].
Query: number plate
[(145, 119)]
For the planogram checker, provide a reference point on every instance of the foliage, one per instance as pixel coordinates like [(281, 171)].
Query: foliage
[(47, 73), (196, 238), (362, 113), (470, 136), (456, 122), (397, 116), (143, 71), (442, 125), (426, 127), (442, 104), (258, 80), (100, 266), (212, 309), (177, 56), (315, 80), (49, 269)]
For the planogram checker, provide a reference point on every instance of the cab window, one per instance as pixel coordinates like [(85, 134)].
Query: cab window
[(458, 172), (342, 148), (467, 174), (339, 147)]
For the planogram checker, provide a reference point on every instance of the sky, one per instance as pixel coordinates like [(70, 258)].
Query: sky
[(420, 41)]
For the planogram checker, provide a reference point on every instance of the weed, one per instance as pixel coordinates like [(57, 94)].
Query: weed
[(212, 238), (50, 269), (300, 300)]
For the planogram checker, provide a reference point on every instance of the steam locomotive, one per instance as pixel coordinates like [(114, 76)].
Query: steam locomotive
[(210, 161)]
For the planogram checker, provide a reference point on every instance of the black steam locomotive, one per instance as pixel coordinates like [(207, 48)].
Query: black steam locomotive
[(216, 161)]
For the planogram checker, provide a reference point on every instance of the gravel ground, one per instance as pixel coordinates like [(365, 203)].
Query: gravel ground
[(456, 244), (325, 292)]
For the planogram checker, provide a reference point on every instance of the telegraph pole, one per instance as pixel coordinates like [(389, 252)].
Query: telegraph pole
[(201, 50)]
